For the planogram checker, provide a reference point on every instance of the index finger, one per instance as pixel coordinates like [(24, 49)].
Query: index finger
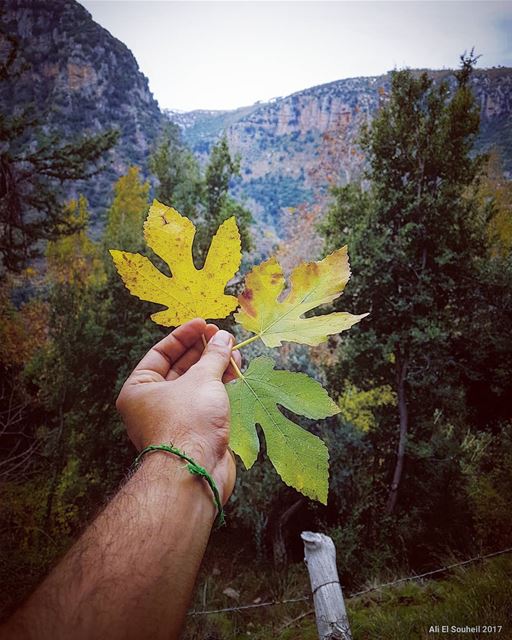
[(161, 356)]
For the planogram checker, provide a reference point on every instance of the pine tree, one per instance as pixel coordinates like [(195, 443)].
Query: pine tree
[(219, 205), (177, 173), (204, 199), (34, 166)]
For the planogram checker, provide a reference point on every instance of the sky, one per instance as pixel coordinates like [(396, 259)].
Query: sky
[(224, 55)]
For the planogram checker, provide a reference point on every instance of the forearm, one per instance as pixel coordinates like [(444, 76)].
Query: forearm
[(132, 573)]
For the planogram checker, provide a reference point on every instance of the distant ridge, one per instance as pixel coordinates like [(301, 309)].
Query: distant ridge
[(291, 146), (83, 80)]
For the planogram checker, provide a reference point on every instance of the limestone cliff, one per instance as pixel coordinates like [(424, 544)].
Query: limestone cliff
[(81, 80), (292, 147)]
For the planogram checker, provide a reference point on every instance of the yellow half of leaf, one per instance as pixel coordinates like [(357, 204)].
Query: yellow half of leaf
[(311, 285), (189, 292)]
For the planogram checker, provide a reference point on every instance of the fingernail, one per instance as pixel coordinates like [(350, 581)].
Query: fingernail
[(222, 337)]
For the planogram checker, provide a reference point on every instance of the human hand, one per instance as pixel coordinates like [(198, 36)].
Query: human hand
[(176, 394)]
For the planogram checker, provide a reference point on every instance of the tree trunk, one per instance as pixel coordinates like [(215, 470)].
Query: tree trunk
[(401, 375), (278, 541), (56, 469)]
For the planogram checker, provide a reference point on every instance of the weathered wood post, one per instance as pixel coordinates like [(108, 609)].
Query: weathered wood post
[(320, 559)]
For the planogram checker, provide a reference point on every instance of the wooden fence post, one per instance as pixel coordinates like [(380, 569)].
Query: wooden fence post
[(320, 559)]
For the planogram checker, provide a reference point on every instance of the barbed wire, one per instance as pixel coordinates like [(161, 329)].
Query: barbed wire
[(431, 573), (356, 594), (255, 605)]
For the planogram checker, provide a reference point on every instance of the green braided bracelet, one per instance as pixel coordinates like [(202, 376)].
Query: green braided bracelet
[(194, 469)]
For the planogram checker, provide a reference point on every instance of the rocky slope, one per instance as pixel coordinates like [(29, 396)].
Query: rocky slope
[(81, 80), (292, 147)]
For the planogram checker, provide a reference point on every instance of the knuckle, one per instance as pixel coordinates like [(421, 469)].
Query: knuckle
[(219, 350)]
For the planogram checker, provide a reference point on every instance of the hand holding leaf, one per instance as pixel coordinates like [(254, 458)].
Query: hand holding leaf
[(300, 458)]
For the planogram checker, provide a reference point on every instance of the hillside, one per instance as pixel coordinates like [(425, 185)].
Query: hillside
[(292, 147), (81, 80)]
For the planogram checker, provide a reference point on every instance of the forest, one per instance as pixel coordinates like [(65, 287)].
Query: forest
[(421, 451)]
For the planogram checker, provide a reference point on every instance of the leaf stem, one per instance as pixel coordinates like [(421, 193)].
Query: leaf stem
[(231, 360), (235, 367), (245, 342)]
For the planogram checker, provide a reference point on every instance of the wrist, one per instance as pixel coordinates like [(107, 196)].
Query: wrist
[(222, 469), (202, 452), (183, 478)]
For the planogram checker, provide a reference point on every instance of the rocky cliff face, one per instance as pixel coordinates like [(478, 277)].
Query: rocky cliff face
[(81, 80), (293, 147)]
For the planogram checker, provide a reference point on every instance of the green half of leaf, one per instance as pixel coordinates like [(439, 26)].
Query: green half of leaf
[(300, 458)]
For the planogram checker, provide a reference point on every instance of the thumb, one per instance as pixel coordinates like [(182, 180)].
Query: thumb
[(215, 358)]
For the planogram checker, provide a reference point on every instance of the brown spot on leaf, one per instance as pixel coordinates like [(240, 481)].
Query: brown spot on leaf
[(312, 268), (245, 301)]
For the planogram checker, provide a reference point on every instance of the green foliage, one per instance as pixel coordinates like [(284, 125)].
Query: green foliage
[(127, 211), (177, 172), (483, 349), (416, 241), (67, 346), (218, 204), (203, 199), (219, 172)]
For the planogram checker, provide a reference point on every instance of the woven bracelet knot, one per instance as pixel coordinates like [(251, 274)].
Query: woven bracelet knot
[(193, 468)]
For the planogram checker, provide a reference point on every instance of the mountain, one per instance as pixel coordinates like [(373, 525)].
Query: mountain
[(292, 147), (81, 80)]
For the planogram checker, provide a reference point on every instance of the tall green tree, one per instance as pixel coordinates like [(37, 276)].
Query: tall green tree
[(206, 198), (177, 173), (415, 244), (219, 205), (219, 172)]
